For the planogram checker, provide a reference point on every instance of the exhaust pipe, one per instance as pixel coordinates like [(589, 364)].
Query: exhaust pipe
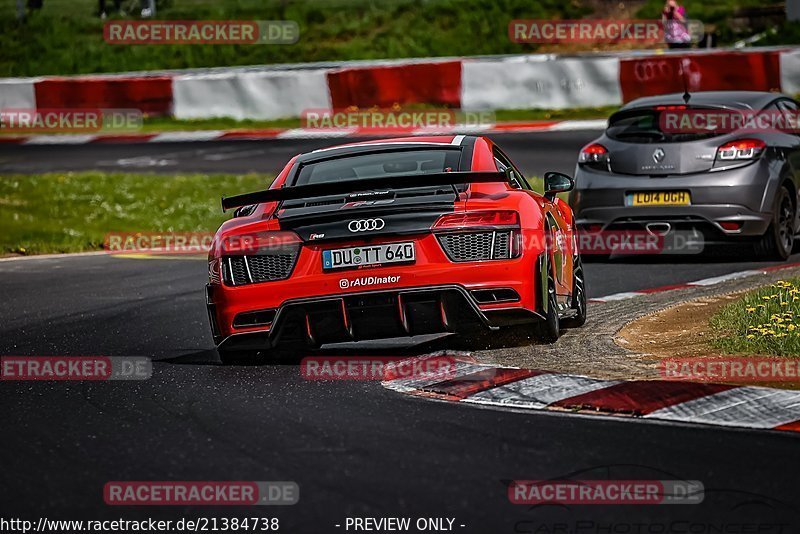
[(659, 229)]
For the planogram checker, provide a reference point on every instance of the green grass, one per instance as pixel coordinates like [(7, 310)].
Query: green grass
[(160, 124), (764, 321), (66, 36), (73, 212), (169, 124)]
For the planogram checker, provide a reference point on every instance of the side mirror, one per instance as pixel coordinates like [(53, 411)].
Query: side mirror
[(556, 182)]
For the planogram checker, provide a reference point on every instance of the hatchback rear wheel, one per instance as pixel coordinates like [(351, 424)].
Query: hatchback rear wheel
[(778, 242)]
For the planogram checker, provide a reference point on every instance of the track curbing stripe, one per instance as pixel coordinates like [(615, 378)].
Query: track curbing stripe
[(662, 400)]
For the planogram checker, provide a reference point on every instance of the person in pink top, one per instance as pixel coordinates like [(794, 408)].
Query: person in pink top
[(676, 33)]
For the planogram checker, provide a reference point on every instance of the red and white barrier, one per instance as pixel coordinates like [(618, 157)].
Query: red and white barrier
[(540, 82), (713, 71), (17, 93), (506, 82), (150, 94), (250, 95), (385, 86), (790, 71)]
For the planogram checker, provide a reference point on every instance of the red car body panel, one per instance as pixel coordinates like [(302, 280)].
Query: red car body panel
[(432, 268)]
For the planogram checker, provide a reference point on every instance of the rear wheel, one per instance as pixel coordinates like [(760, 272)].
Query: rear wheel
[(778, 242), (578, 296), (549, 329)]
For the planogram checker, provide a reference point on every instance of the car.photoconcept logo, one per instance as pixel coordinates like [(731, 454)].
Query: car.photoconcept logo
[(366, 225)]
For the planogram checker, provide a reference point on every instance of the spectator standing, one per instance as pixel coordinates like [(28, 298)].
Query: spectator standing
[(676, 33)]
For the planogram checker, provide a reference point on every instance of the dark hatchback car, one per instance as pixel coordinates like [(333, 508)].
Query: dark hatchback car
[(715, 185)]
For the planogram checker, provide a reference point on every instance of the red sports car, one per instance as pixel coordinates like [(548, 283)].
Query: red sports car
[(393, 238)]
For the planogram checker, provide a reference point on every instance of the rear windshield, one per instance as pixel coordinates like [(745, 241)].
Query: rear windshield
[(643, 126), (378, 165)]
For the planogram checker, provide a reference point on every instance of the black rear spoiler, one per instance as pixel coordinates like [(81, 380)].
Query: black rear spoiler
[(351, 186)]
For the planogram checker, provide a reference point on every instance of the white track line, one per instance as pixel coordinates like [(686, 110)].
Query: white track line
[(172, 137)]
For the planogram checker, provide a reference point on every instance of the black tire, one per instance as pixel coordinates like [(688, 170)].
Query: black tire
[(549, 330), (778, 242), (578, 296)]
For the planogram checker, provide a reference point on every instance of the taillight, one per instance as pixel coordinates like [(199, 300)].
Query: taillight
[(741, 150), (594, 155), (670, 108), (251, 258), (478, 219), (479, 235)]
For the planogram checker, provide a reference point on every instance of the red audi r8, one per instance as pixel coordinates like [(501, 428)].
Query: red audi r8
[(393, 238)]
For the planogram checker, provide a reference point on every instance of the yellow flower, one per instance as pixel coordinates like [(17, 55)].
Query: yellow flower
[(750, 336), (791, 327), (750, 309)]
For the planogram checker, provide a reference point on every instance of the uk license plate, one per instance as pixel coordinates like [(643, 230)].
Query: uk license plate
[(659, 198), (370, 255)]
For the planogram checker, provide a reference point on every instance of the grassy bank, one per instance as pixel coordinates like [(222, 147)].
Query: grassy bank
[(764, 321), (73, 212), (66, 36)]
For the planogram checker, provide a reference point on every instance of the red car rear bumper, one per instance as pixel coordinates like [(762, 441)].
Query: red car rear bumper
[(431, 295)]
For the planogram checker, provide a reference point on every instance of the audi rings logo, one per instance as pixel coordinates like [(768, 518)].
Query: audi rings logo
[(366, 225)]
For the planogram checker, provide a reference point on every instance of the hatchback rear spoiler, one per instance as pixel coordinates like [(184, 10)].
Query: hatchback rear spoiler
[(403, 181)]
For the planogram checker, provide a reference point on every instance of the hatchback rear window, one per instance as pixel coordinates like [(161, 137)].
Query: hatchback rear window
[(644, 126)]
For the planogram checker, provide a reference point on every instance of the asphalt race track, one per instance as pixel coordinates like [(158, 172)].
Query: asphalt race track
[(354, 448), (535, 153)]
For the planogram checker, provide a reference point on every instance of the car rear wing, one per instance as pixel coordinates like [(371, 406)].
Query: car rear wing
[(404, 181)]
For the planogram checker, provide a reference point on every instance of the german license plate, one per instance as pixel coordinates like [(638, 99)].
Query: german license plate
[(659, 198), (340, 258)]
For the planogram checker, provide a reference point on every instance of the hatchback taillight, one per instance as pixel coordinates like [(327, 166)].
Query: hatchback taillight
[(595, 156), (741, 150)]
